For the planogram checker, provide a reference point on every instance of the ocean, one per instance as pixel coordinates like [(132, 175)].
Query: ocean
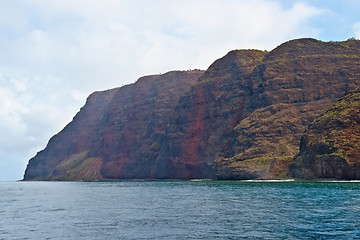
[(180, 210)]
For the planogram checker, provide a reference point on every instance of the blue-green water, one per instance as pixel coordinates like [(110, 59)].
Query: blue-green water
[(179, 210)]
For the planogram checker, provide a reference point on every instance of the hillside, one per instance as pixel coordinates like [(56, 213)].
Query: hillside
[(117, 134), (292, 86), (242, 118), (330, 147)]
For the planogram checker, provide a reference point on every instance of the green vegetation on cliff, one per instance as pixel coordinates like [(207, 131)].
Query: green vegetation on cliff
[(330, 147)]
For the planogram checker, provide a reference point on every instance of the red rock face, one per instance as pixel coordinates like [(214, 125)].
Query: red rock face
[(136, 128), (242, 118), (122, 128), (190, 151), (208, 113)]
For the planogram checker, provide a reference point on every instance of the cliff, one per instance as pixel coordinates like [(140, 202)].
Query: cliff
[(330, 147), (117, 134), (242, 118), (292, 86)]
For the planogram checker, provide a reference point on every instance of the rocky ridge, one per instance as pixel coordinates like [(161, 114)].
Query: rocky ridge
[(242, 118)]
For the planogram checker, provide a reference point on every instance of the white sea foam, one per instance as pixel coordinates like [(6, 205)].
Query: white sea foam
[(270, 180), (340, 181), (200, 180)]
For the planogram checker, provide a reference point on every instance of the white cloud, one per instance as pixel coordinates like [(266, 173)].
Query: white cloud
[(11, 166), (96, 40), (32, 109), (54, 53), (356, 28)]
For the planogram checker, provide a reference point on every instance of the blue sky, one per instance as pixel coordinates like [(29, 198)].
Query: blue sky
[(53, 54)]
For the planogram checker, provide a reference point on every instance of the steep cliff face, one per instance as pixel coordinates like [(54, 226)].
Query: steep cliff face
[(207, 114), (241, 119), (330, 147), (246, 115), (134, 129), (67, 154), (117, 134)]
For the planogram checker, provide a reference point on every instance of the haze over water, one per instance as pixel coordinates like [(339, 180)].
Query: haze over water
[(179, 210)]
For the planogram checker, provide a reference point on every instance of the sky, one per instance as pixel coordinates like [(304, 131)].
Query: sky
[(53, 54)]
